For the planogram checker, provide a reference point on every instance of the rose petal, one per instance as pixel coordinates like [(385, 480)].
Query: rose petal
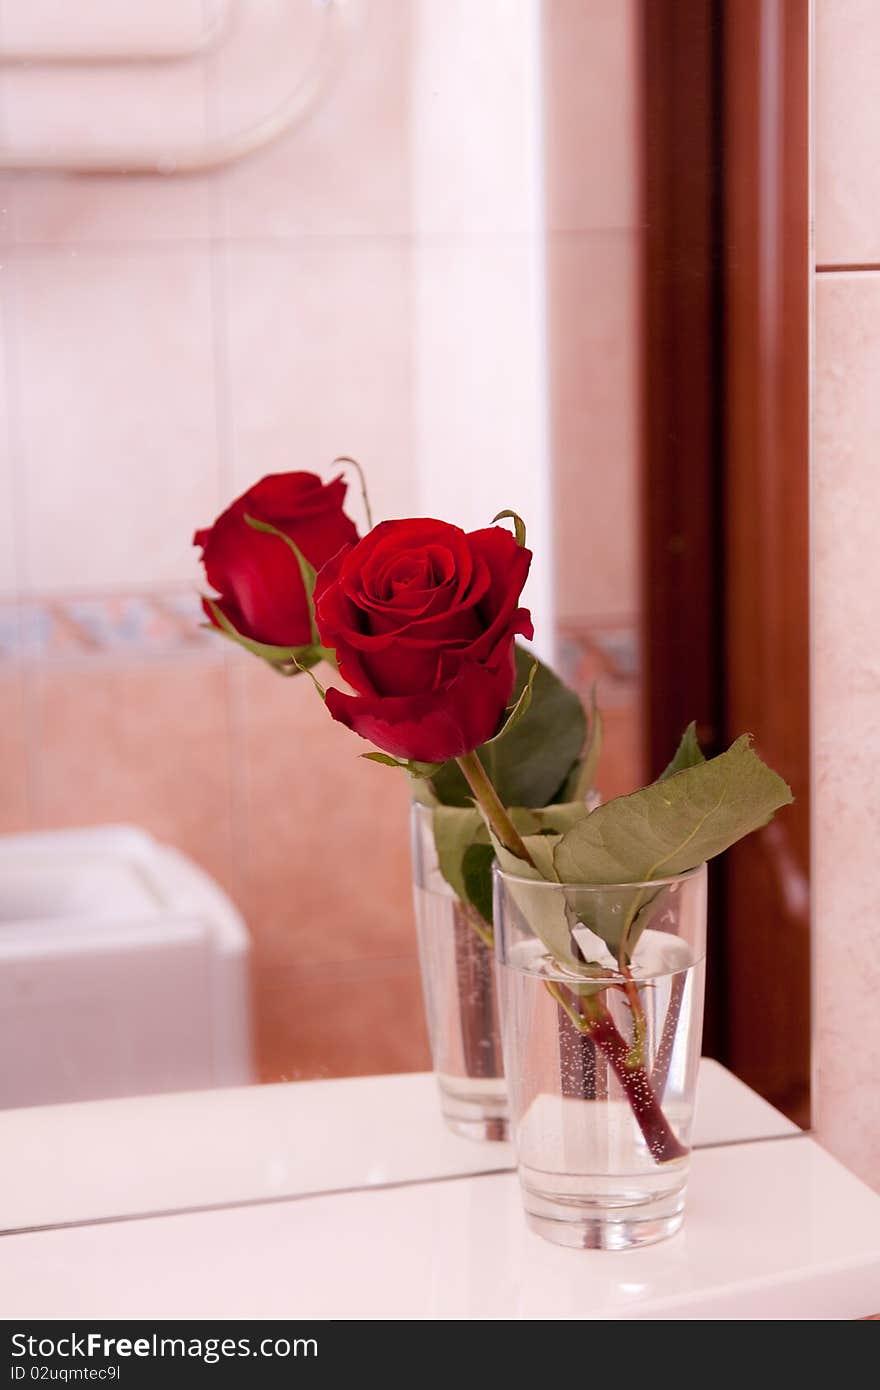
[(432, 727), (257, 577)]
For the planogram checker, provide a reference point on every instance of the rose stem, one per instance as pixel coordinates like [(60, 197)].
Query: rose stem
[(629, 1068), (599, 1026), (663, 1055), (492, 807)]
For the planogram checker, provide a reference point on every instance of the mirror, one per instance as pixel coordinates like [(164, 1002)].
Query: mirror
[(480, 249)]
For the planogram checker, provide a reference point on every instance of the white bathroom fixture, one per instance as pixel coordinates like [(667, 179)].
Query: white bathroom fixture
[(123, 970)]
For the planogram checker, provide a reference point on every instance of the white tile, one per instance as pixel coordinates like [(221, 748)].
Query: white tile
[(594, 330), (116, 398), (319, 363), (475, 118), (341, 165), (847, 132), (480, 407), (9, 520), (592, 123)]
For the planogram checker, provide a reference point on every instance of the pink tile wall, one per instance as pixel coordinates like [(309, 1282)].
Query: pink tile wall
[(345, 171), (324, 823), (593, 110), (8, 543), (593, 206), (847, 132), (318, 361), (165, 342), (148, 743), (116, 440), (846, 516), (15, 798), (846, 713), (594, 319)]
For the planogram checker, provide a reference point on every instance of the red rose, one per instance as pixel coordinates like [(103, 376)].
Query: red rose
[(423, 618), (256, 575)]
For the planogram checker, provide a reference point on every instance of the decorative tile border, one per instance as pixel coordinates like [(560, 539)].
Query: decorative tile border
[(58, 629), (608, 654), (82, 626)]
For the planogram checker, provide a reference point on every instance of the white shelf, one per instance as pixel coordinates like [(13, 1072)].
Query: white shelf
[(776, 1229), (148, 1154)]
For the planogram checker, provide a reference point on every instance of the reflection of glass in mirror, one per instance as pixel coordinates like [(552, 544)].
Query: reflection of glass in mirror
[(442, 238)]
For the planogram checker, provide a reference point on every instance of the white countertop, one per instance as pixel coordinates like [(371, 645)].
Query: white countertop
[(153, 1154), (775, 1227)]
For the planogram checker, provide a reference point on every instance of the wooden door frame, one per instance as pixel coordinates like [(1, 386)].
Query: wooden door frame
[(726, 479)]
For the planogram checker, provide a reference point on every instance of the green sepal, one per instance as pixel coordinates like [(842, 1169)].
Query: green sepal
[(532, 762), (582, 779), (687, 754), (410, 765), (519, 526), (665, 829), (516, 711), (286, 660)]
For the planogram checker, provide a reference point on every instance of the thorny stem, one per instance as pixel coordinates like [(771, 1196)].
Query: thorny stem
[(628, 1062), (476, 923), (492, 807), (596, 1022), (640, 1022)]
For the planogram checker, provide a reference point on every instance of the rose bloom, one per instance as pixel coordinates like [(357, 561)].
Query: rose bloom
[(423, 618), (256, 575)]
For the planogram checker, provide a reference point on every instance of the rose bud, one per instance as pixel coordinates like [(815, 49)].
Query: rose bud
[(423, 617), (256, 575)]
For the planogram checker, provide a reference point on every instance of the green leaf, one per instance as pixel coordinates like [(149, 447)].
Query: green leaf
[(540, 848), (582, 779), (688, 754), (477, 873), (456, 828), (459, 830), (540, 831), (307, 571), (558, 818), (519, 708), (546, 912), (307, 670), (667, 828), (519, 525), (531, 763), (674, 825), (410, 765)]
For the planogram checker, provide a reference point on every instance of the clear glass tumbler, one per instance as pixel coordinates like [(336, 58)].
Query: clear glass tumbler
[(457, 960), (601, 1057)]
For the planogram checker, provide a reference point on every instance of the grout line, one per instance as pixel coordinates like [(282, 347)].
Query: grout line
[(306, 241), (9, 317), (284, 1199), (857, 267), (346, 969)]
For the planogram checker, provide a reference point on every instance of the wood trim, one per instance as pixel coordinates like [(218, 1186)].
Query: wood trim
[(681, 460), (766, 502), (681, 476), (726, 478)]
